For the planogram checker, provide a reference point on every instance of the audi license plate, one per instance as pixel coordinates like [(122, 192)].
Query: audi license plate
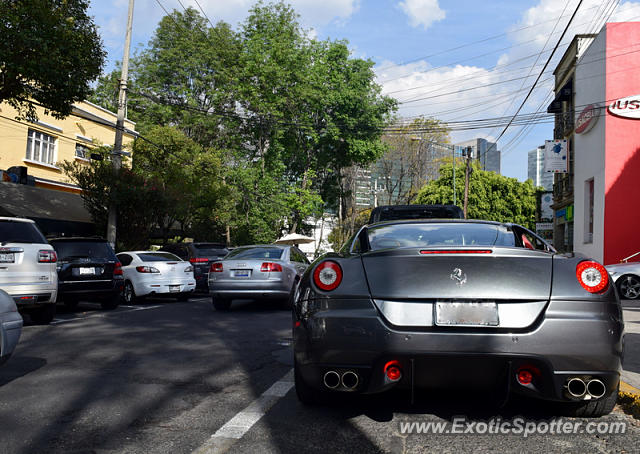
[(85, 270), (466, 314), (7, 258), (174, 288), (241, 273)]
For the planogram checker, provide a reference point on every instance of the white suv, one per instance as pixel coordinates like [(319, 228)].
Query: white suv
[(28, 268)]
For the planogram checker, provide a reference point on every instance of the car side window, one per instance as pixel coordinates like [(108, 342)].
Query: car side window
[(531, 241), (295, 256), (125, 259)]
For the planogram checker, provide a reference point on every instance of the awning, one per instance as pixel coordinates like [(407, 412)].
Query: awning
[(564, 94), (55, 212)]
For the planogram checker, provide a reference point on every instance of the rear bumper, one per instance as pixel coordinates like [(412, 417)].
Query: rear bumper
[(268, 289), (162, 287), (90, 289), (29, 295), (562, 344)]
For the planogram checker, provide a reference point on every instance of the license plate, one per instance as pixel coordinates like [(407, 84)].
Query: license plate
[(7, 258), (241, 273), (174, 288), (466, 314), (86, 270)]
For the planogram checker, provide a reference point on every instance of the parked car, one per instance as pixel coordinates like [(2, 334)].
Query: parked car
[(88, 270), (28, 268), (626, 276), (264, 271), (10, 326), (455, 304), (155, 273), (201, 255)]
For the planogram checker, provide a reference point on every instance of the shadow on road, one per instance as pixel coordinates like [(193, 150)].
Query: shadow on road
[(19, 366)]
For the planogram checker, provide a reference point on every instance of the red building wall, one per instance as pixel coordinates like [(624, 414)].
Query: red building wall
[(622, 144)]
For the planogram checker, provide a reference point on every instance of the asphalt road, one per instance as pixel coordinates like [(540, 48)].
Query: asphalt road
[(163, 377)]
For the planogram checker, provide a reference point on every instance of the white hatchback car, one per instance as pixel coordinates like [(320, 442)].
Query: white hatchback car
[(155, 273), (28, 268)]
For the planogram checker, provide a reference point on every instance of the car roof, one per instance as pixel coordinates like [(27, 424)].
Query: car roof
[(7, 218), (439, 221), (279, 246), (78, 238)]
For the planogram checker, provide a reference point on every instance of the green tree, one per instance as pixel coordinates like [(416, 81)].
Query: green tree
[(492, 196), (50, 53)]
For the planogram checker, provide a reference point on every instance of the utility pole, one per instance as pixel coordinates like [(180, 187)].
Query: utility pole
[(453, 154), (466, 180), (116, 154)]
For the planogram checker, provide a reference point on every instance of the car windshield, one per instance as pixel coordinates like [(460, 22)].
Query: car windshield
[(158, 257), (209, 250), (20, 232), (68, 250), (439, 234), (255, 253)]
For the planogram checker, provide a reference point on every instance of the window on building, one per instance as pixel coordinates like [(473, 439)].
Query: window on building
[(588, 211), (41, 147), (83, 151)]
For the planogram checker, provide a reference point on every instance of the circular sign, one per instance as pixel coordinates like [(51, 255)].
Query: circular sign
[(628, 107), (587, 119)]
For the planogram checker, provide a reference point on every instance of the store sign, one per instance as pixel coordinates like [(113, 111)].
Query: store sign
[(587, 119), (555, 156), (628, 107), (540, 226)]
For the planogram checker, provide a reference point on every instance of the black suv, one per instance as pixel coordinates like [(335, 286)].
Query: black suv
[(88, 270), (395, 212), (200, 255)]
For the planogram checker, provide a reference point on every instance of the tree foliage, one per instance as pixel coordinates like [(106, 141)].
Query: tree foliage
[(50, 53), (492, 196)]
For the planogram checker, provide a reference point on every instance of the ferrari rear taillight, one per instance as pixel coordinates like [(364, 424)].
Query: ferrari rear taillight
[(47, 256), (270, 267), (327, 275), (146, 269), (216, 268), (592, 276), (117, 269)]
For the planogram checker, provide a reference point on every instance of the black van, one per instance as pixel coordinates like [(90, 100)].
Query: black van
[(201, 255), (395, 212)]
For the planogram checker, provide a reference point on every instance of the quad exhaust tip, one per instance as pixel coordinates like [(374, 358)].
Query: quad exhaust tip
[(576, 387), (596, 388), (350, 379), (331, 379)]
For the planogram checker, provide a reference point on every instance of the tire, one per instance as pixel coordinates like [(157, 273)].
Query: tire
[(111, 302), (594, 408), (129, 294), (71, 303), (306, 394), (221, 304), (629, 286), (44, 314)]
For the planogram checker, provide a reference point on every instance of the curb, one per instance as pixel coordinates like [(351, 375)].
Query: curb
[(629, 399)]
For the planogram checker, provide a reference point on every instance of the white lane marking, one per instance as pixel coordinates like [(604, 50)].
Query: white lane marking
[(236, 427), (65, 320)]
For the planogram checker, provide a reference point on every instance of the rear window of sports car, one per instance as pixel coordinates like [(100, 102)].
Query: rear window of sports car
[(436, 235)]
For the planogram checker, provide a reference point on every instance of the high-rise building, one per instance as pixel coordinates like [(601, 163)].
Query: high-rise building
[(536, 170), (485, 153)]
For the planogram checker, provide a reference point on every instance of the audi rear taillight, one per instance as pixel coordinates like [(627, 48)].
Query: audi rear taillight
[(117, 269), (592, 276), (327, 275), (216, 267), (147, 269), (47, 256), (270, 267)]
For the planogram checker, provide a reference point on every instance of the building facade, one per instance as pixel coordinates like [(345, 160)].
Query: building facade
[(607, 145), (32, 151), (535, 170), (485, 153)]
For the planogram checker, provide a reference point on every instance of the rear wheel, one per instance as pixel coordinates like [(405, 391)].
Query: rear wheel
[(44, 314), (221, 304), (111, 302), (129, 294), (593, 408), (306, 394), (629, 287)]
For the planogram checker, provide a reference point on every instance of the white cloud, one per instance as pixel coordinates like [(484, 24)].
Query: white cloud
[(422, 12)]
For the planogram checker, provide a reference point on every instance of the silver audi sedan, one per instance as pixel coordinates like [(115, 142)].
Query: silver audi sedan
[(266, 271)]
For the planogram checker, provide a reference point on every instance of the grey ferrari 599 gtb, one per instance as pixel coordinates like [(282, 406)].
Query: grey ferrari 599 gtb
[(449, 303)]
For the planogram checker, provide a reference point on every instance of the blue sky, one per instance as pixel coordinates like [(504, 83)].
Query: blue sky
[(461, 55)]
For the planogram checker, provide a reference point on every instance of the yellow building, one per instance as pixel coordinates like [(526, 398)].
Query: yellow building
[(41, 145)]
